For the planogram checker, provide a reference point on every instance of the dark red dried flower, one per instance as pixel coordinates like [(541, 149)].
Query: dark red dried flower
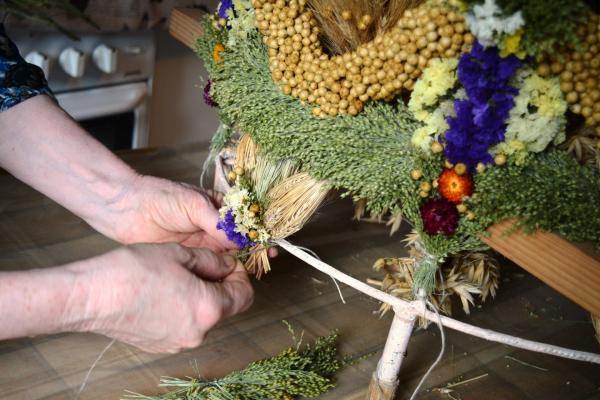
[(208, 99), (439, 217)]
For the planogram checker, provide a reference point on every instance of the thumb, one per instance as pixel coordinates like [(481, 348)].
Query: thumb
[(208, 265), (236, 291)]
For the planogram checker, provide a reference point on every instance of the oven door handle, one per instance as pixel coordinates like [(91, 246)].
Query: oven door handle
[(105, 101)]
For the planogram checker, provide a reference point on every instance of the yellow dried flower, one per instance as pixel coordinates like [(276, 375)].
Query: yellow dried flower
[(512, 45)]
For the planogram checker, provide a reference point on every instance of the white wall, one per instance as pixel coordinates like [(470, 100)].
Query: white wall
[(178, 114)]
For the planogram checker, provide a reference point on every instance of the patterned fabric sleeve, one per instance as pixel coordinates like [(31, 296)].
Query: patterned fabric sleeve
[(19, 80)]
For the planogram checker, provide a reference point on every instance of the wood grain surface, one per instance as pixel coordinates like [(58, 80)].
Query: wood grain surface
[(37, 233), (572, 269), (184, 25)]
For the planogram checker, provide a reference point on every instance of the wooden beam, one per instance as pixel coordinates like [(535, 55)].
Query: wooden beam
[(184, 25), (571, 269)]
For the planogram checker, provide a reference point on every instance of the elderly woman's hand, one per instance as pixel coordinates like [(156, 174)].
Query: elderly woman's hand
[(159, 298), (44, 147), (154, 210)]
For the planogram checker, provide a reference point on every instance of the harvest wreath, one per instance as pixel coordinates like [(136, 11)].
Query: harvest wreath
[(444, 113), (453, 115)]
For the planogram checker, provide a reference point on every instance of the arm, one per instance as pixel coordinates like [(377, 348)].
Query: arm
[(42, 146), (160, 298), (33, 301)]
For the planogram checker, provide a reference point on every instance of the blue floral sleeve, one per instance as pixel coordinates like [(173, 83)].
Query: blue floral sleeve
[(19, 80)]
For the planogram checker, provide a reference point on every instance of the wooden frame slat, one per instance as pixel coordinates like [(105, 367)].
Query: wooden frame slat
[(572, 269), (184, 25)]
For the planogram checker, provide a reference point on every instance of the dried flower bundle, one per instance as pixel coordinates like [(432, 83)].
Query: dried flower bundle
[(286, 198)]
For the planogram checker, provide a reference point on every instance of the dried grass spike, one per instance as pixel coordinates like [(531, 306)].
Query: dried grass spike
[(268, 173), (360, 207), (583, 145), (395, 222), (258, 262), (291, 203), (246, 153)]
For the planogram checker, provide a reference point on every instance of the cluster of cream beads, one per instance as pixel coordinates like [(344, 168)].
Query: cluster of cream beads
[(579, 72), (377, 70)]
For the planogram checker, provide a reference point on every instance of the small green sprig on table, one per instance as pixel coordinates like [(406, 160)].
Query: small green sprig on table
[(298, 371)]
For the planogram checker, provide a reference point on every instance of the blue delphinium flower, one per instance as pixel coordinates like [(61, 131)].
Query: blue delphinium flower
[(224, 6), (227, 225), (480, 120)]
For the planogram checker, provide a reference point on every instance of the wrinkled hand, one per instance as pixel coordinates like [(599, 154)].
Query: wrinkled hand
[(155, 210), (161, 298)]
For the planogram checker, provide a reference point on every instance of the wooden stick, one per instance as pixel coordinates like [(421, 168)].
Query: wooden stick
[(385, 379)]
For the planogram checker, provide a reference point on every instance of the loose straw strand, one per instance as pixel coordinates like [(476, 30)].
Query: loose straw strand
[(89, 373), (335, 282), (423, 298)]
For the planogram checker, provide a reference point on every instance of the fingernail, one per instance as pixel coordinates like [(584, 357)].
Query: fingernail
[(230, 261)]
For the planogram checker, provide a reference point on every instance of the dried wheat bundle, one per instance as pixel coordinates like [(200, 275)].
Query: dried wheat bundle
[(245, 155), (465, 275), (346, 24), (287, 197)]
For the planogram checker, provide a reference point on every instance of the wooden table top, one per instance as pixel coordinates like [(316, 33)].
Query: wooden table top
[(37, 233)]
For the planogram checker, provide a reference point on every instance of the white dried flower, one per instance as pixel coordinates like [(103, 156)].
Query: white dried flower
[(489, 26)]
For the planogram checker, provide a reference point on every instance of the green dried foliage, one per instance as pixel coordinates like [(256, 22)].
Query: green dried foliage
[(45, 11), (220, 139), (369, 153), (552, 192), (370, 156), (295, 372), (548, 24)]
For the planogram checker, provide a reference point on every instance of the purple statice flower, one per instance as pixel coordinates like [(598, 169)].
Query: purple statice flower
[(439, 217), (480, 120), (224, 7), (227, 225), (208, 99)]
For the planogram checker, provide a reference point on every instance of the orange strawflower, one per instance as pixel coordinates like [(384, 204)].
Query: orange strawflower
[(454, 187), (219, 48)]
